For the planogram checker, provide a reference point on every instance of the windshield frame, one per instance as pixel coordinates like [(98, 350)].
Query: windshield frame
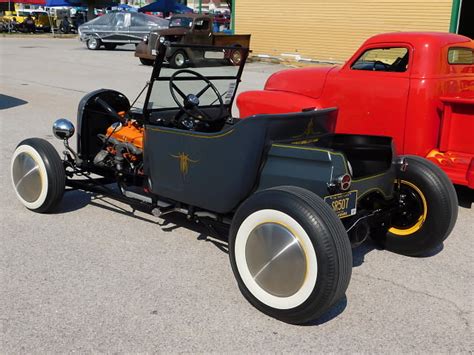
[(158, 65)]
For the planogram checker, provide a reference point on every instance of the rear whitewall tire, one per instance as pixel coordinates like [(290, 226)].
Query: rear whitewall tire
[(248, 225), (290, 254)]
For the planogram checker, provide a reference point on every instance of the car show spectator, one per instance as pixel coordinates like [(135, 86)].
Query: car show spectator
[(65, 25), (29, 24), (13, 24)]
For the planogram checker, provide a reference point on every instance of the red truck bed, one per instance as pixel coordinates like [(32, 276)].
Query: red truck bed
[(455, 154)]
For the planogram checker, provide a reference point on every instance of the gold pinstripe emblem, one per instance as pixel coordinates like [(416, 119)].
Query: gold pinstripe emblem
[(309, 131), (184, 161)]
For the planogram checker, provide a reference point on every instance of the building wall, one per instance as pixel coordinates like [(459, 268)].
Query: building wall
[(332, 29)]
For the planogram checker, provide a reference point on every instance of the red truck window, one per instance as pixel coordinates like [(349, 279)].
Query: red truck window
[(460, 55), (392, 59)]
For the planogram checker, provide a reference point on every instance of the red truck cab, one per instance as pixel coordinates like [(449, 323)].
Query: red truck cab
[(417, 87)]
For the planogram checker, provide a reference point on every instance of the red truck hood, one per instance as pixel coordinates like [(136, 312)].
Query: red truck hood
[(305, 81)]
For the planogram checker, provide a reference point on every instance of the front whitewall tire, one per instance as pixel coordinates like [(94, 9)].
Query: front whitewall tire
[(37, 174), (29, 152)]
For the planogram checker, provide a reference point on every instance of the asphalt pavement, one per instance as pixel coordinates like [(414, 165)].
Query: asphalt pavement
[(96, 277)]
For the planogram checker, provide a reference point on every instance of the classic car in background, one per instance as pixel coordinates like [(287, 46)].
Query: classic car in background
[(189, 29), (118, 28), (16, 19), (415, 87)]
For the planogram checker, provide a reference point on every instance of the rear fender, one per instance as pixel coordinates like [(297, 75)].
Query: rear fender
[(315, 168), (307, 167)]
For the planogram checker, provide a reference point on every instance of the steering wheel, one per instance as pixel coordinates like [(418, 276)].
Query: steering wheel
[(385, 65), (190, 102)]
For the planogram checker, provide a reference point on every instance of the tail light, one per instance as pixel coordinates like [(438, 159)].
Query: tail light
[(344, 182)]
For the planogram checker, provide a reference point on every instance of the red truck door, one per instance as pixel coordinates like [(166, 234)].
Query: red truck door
[(371, 91)]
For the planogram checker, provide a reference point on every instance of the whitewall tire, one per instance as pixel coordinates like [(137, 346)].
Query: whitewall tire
[(290, 254), (294, 252), (37, 175)]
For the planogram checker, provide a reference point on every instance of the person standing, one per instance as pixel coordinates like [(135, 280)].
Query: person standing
[(30, 25)]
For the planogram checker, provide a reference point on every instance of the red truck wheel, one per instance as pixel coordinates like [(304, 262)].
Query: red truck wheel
[(429, 209)]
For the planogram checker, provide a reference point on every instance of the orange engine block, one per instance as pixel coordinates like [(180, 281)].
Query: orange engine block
[(132, 132)]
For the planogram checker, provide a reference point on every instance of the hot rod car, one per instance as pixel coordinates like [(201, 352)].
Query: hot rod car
[(416, 87), (293, 195)]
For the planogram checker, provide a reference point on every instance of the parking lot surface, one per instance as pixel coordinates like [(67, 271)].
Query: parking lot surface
[(96, 277)]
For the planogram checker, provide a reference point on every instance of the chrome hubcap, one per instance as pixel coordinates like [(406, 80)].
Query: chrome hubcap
[(27, 177), (236, 57), (179, 59), (276, 259), (93, 43)]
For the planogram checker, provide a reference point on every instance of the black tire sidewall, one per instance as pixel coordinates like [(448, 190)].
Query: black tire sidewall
[(146, 62), (442, 208)]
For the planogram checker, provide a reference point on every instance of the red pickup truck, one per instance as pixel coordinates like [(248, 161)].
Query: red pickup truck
[(416, 87)]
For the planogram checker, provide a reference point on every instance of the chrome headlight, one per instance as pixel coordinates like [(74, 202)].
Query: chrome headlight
[(145, 38), (63, 129), (162, 39)]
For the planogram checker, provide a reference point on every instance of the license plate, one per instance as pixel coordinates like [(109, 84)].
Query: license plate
[(344, 204)]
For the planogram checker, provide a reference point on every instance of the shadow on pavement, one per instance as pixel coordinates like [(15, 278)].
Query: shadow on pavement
[(208, 232), (335, 311), (10, 101), (359, 253), (73, 200)]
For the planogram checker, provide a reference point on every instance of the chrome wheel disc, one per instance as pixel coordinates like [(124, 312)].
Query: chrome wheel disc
[(236, 57), (93, 43), (276, 259), (179, 59), (27, 177)]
